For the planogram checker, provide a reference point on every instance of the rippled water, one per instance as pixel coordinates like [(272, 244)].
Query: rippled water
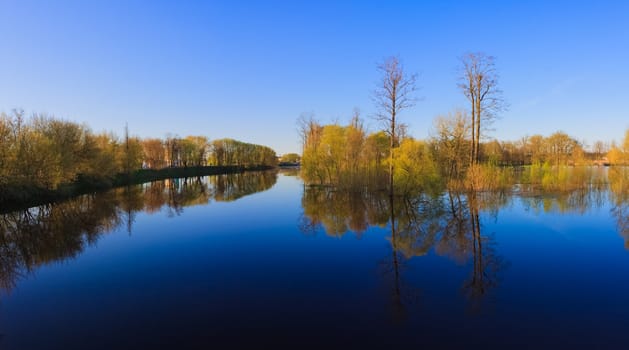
[(257, 260)]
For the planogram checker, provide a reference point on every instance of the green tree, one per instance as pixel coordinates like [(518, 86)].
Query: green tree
[(374, 157), (228, 152), (70, 147), (415, 170), (311, 165), (332, 150), (195, 150), (104, 162), (354, 148), (130, 155), (291, 158), (451, 146)]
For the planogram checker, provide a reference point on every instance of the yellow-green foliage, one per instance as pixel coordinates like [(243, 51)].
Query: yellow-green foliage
[(343, 156), (486, 177), (619, 184), (291, 158), (228, 152), (450, 148), (533, 173), (332, 147), (339, 211), (560, 178), (346, 157), (414, 168), (620, 155), (43, 151)]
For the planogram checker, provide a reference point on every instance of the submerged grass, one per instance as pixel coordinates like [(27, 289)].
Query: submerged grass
[(486, 177), (562, 178), (539, 177)]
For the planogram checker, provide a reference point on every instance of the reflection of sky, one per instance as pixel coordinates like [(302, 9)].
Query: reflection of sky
[(243, 267)]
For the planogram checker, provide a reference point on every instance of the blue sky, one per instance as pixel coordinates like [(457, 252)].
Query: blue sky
[(247, 70)]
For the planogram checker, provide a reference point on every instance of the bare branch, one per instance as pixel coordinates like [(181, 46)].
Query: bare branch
[(479, 84)]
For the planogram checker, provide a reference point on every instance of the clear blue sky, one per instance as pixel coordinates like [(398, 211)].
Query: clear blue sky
[(247, 70)]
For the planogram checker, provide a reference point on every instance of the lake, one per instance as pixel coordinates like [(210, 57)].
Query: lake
[(257, 260)]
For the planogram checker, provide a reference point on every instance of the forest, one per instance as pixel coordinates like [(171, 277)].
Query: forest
[(349, 156), (43, 152)]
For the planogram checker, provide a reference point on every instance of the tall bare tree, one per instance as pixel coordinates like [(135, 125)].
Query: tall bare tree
[(395, 92), (599, 149), (479, 83)]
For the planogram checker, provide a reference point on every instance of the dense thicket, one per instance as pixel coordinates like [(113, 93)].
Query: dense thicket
[(347, 156), (43, 151), (231, 152)]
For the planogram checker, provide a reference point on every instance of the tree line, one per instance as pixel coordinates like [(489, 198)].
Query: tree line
[(458, 154), (44, 152)]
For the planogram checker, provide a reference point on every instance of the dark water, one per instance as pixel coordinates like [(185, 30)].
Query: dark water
[(256, 261)]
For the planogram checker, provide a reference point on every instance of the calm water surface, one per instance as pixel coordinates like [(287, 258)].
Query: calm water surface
[(256, 260)]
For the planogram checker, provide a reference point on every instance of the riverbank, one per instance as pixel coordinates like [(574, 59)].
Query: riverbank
[(15, 197)]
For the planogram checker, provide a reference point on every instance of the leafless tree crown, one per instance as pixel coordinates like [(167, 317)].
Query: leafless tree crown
[(394, 93), (479, 84)]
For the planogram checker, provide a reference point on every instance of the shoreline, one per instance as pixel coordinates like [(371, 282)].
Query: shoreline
[(19, 197)]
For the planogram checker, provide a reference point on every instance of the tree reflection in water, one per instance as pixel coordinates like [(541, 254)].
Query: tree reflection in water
[(487, 264), (54, 232), (619, 189), (450, 225)]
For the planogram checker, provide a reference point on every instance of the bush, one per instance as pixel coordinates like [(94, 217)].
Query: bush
[(485, 177)]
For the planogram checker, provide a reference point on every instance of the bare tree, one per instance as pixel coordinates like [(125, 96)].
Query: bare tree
[(306, 123), (394, 93), (479, 83), (599, 149)]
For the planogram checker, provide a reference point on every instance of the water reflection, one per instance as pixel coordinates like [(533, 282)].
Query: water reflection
[(422, 261), (487, 264), (576, 201), (619, 189), (54, 232), (614, 190), (450, 225)]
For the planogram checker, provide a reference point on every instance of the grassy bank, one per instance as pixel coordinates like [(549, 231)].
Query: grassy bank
[(15, 197)]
